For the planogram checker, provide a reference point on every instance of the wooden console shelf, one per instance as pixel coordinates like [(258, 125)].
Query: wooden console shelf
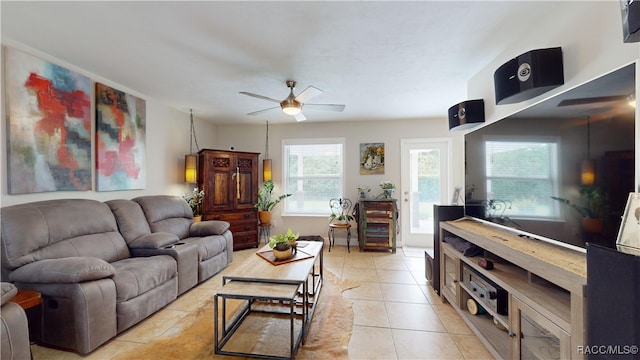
[(544, 286)]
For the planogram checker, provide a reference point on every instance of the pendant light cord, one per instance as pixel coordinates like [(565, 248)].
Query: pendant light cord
[(193, 136), (588, 137), (266, 146)]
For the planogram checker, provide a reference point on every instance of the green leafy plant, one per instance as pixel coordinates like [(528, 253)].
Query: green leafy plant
[(386, 185), (341, 217), (593, 202), (195, 201), (264, 197), (282, 241)]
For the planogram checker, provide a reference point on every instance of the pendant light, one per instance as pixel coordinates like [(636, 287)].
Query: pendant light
[(588, 169), (266, 162), (191, 160)]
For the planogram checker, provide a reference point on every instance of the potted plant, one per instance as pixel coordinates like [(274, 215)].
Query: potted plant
[(195, 203), (284, 245), (592, 208), (363, 190), (387, 189), (341, 218), (265, 204)]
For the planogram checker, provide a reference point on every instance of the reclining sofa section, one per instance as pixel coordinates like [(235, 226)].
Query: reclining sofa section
[(99, 276)]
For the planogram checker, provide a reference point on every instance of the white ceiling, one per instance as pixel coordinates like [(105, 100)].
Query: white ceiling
[(383, 60)]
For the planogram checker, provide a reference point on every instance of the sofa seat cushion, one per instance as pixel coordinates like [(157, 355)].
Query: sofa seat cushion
[(208, 246), (136, 276)]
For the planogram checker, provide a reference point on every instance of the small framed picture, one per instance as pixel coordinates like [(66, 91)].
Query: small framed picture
[(455, 199), (629, 235)]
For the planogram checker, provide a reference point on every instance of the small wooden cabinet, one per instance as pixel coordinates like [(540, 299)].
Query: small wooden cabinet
[(377, 225), (230, 183)]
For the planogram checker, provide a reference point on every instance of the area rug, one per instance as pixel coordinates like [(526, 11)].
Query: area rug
[(328, 336)]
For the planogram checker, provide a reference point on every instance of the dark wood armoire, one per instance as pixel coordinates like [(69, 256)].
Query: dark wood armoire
[(230, 183)]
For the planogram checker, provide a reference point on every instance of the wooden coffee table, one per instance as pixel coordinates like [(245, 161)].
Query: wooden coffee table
[(296, 284)]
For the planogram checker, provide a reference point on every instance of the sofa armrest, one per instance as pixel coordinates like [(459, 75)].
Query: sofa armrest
[(207, 228), (9, 291), (153, 241), (68, 270)]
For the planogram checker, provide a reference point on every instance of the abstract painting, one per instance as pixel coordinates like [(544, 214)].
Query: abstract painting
[(371, 158), (120, 140), (49, 126)]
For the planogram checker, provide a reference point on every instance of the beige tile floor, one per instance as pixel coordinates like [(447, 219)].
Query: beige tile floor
[(396, 314)]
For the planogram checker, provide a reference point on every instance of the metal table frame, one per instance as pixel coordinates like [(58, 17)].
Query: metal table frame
[(257, 290), (307, 294)]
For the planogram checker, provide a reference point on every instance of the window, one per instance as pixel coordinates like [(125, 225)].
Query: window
[(313, 173), (522, 175)]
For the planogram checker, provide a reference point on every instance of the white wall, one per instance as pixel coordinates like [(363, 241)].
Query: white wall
[(252, 138), (167, 141)]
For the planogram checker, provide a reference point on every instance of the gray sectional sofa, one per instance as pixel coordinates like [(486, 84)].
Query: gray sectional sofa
[(102, 267), (14, 330)]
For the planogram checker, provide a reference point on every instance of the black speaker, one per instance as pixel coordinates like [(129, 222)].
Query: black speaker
[(612, 313), (528, 75), (630, 20), (441, 213), (466, 114)]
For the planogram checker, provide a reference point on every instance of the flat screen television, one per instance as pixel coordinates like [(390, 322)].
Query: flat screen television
[(531, 171)]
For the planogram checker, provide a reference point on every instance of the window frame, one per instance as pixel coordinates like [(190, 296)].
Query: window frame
[(555, 168), (285, 169)]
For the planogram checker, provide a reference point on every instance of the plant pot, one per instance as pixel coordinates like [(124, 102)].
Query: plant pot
[(282, 255), (593, 225), (265, 217), (197, 218)]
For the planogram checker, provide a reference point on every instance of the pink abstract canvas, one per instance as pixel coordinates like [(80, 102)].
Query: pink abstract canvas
[(49, 126), (120, 140)]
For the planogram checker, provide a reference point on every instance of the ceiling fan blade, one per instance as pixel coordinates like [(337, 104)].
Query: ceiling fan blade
[(324, 107), (308, 93), (259, 96), (300, 117), (263, 110), (591, 100)]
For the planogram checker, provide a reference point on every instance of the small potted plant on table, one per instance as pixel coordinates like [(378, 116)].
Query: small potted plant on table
[(284, 245)]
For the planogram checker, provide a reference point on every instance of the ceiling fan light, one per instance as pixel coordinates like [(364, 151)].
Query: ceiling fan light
[(290, 107)]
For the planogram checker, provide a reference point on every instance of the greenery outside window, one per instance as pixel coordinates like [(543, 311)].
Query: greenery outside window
[(523, 173), (313, 173)]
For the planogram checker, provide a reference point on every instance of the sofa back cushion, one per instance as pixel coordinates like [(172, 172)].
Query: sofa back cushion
[(167, 213), (130, 218), (59, 228)]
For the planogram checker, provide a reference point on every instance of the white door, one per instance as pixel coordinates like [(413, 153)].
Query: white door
[(425, 173)]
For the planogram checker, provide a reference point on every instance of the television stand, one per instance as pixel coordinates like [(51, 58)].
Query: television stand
[(530, 305)]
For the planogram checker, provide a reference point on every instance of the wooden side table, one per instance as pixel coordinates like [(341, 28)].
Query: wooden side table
[(27, 298), (30, 301)]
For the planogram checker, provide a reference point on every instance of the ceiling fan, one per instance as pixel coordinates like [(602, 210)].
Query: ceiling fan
[(292, 104)]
